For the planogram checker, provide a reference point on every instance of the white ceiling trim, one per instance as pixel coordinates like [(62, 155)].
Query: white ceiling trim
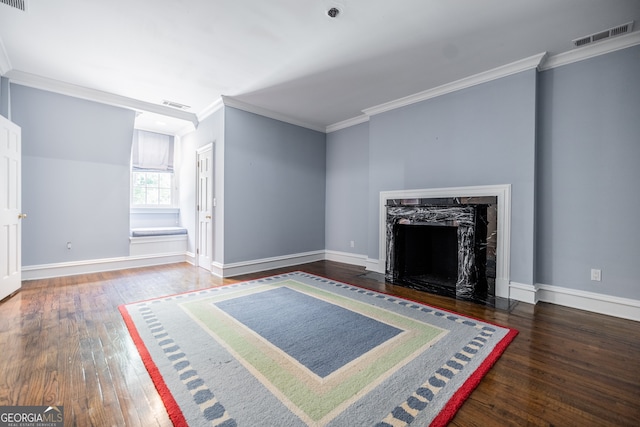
[(347, 123), (44, 83), (184, 131), (187, 129), (540, 61), (210, 109), (5, 64), (249, 108), (487, 76), (592, 50)]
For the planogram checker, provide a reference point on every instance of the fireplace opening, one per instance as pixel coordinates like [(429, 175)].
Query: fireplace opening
[(427, 255), (445, 246)]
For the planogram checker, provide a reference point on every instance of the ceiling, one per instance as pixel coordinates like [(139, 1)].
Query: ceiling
[(287, 57)]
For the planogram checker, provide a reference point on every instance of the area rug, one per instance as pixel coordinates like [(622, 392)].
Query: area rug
[(301, 350)]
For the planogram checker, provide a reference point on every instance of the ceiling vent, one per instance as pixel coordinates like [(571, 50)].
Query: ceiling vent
[(18, 4), (175, 105), (602, 35)]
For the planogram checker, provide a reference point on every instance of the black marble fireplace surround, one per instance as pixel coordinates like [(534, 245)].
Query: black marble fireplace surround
[(445, 246)]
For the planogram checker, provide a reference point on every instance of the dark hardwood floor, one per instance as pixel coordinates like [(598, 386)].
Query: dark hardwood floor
[(63, 342)]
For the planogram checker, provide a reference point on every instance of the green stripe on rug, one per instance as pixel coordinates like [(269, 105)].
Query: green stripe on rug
[(276, 351), (298, 395)]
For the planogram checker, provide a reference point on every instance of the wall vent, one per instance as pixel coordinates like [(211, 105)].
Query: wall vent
[(175, 105), (602, 35), (18, 4)]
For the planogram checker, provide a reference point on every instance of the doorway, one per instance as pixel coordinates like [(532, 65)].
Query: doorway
[(10, 205), (204, 206)]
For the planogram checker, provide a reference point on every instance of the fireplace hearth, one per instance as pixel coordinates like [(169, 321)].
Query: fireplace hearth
[(445, 246)]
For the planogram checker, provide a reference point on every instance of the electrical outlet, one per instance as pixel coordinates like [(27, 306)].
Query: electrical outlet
[(596, 274), (353, 244)]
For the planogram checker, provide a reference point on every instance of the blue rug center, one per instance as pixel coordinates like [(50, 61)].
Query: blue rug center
[(320, 335)]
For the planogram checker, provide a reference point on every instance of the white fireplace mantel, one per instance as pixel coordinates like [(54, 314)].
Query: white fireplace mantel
[(503, 251)]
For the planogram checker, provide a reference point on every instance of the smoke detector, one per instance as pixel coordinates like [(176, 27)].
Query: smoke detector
[(602, 35), (17, 4), (333, 12)]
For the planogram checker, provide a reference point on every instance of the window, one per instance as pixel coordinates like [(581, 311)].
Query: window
[(152, 175), (152, 188)]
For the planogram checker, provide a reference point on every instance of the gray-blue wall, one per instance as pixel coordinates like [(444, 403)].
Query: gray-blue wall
[(567, 139), (347, 189), (4, 97), (210, 130), (589, 174), (483, 135), (75, 176), (274, 188)]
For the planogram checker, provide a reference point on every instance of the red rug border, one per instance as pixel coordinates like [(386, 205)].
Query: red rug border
[(445, 415), (456, 401), (173, 409)]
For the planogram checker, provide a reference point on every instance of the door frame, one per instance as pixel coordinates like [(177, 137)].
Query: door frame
[(199, 151), (11, 214)]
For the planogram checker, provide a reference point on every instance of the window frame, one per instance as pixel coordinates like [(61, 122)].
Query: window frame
[(172, 188)]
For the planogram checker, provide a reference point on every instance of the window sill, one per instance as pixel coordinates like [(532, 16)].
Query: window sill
[(158, 210)]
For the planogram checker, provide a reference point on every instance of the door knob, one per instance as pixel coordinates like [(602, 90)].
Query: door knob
[(208, 217), (22, 216)]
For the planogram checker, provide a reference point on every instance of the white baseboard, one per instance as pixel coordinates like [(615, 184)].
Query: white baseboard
[(254, 266), (346, 258), (375, 265), (625, 308), (190, 257), (47, 271), (523, 292)]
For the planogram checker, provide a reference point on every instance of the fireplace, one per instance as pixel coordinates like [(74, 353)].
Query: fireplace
[(444, 245), (426, 254)]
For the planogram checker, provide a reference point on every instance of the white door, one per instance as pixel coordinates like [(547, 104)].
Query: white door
[(10, 214), (204, 250)]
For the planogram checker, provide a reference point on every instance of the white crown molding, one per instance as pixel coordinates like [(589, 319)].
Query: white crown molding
[(179, 133), (347, 123), (592, 50), (249, 108), (51, 85), (210, 109), (5, 63), (541, 61), (487, 76), (185, 131)]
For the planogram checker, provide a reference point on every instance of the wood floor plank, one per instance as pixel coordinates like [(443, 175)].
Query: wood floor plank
[(63, 342)]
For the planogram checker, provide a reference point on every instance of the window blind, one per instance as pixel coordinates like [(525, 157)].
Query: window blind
[(152, 152)]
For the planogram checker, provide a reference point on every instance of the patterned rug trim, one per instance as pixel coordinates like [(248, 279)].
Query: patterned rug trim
[(315, 397)]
